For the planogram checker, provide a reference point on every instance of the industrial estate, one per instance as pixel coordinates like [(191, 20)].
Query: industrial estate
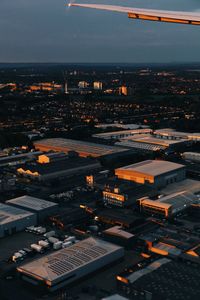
[(100, 183), (99, 167)]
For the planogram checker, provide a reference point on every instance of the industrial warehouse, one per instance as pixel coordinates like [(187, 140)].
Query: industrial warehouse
[(40, 207), (169, 205), (84, 149), (161, 279), (68, 265), (49, 169), (13, 219), (158, 173), (149, 142), (122, 133)]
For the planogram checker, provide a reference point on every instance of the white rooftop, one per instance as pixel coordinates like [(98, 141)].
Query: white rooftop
[(31, 203), (123, 132), (57, 266), (150, 139), (152, 167), (177, 201), (118, 231), (143, 146), (10, 214)]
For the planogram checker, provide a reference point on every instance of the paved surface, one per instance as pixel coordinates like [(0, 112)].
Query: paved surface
[(95, 286), (15, 242)]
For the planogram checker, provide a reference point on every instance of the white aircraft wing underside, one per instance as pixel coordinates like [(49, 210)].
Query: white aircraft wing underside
[(182, 17)]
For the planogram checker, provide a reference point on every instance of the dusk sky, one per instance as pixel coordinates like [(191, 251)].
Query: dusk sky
[(46, 31)]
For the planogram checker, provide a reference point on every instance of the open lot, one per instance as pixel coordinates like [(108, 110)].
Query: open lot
[(15, 242)]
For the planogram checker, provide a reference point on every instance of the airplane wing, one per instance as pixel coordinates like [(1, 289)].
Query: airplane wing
[(149, 14)]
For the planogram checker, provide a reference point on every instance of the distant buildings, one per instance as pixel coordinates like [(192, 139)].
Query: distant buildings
[(171, 134), (122, 126), (125, 91), (45, 87), (98, 85), (157, 173), (148, 142), (122, 133), (83, 84), (66, 88)]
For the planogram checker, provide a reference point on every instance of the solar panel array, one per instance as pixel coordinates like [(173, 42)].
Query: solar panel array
[(71, 258)]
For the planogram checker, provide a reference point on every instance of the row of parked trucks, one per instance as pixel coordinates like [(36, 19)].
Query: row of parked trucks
[(49, 242)]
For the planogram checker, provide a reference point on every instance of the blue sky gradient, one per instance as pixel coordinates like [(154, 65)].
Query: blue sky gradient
[(47, 31)]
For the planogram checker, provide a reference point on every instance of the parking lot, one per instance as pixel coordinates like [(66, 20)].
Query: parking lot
[(15, 242)]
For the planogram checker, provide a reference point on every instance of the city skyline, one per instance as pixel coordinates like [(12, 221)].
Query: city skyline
[(49, 32)]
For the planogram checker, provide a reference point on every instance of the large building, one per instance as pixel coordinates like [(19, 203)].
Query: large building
[(122, 133), (121, 125), (169, 205), (40, 207), (70, 264), (14, 160), (157, 173), (51, 157), (151, 143), (192, 156), (120, 217), (13, 219), (97, 85), (171, 134), (124, 193), (163, 279), (58, 169), (84, 149)]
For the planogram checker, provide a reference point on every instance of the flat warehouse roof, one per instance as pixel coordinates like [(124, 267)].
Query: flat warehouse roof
[(60, 265), (176, 201), (149, 139), (10, 214), (152, 167), (143, 146), (122, 132), (60, 144), (32, 203)]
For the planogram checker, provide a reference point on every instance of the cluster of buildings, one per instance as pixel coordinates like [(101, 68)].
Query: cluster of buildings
[(19, 213), (115, 215), (80, 87), (131, 205), (146, 139)]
